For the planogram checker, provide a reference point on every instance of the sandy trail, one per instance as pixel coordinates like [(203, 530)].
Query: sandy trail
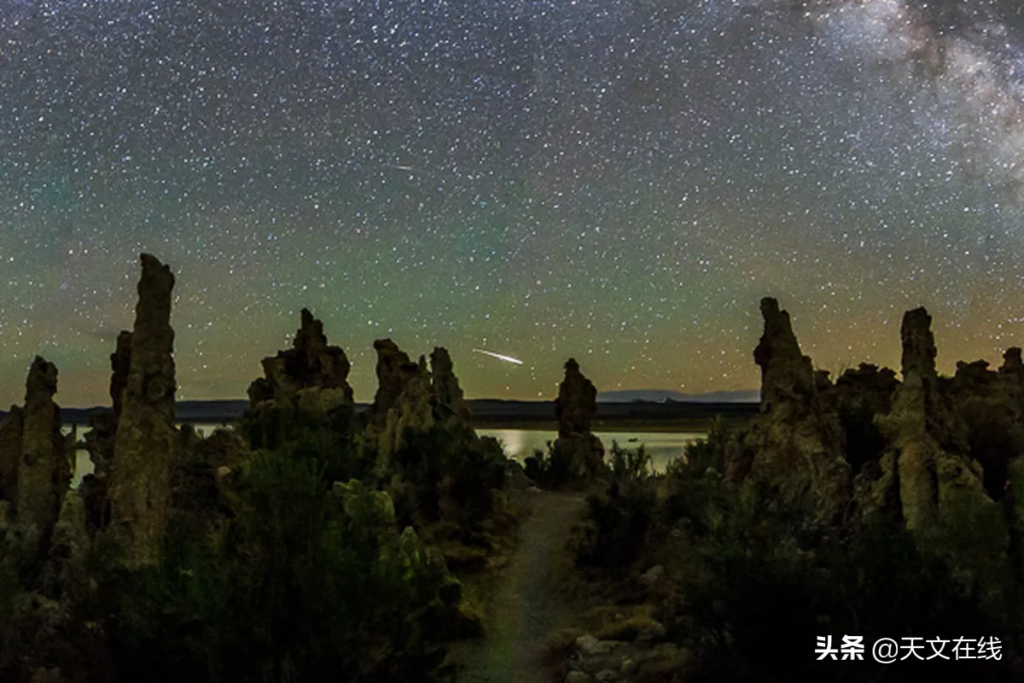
[(528, 604)]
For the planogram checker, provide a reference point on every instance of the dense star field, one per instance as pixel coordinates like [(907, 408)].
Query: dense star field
[(615, 181)]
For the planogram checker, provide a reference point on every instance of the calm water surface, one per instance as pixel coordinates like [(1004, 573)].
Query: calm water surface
[(83, 463), (663, 447)]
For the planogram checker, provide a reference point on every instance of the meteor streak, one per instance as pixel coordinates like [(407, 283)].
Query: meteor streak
[(507, 359)]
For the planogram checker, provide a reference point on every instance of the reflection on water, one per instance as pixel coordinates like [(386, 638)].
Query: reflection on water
[(663, 447)]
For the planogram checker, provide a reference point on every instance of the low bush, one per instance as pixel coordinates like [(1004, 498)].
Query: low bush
[(442, 477), (617, 522), (629, 464), (309, 583), (755, 593), (551, 469)]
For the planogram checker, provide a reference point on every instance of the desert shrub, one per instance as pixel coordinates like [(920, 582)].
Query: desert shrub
[(10, 590), (616, 523), (166, 619), (310, 582), (551, 469), (754, 596), (701, 454), (441, 475), (615, 526), (695, 489), (326, 438), (629, 464)]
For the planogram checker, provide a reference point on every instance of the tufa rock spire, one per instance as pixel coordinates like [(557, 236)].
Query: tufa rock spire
[(787, 376), (44, 471), (575, 408), (446, 390), (311, 364), (146, 437), (10, 455), (794, 441), (402, 401)]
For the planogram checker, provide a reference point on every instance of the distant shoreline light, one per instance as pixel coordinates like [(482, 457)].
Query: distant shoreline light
[(507, 359)]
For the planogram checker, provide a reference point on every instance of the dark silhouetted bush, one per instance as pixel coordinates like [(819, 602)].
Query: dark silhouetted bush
[(616, 522), (549, 469), (441, 476)]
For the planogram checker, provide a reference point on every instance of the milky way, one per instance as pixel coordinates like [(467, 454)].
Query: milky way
[(616, 181)]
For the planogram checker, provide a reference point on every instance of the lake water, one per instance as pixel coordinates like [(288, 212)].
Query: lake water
[(83, 463), (663, 447)]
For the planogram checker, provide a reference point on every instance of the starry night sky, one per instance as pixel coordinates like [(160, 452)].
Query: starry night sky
[(615, 180)]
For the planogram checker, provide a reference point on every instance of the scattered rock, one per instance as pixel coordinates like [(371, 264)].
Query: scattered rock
[(652, 575), (516, 477), (858, 396), (99, 441), (576, 402), (650, 631), (588, 645)]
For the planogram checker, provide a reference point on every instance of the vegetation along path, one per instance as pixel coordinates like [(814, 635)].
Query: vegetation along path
[(528, 604)]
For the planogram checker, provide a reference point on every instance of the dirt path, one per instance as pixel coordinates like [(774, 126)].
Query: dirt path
[(528, 604)]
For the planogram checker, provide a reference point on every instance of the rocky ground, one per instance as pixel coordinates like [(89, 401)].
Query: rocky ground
[(536, 626)]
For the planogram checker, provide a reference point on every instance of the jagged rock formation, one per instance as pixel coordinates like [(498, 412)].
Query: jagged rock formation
[(1011, 374), (101, 439), (312, 374), (787, 377), (403, 401), (796, 444), (984, 409), (858, 397), (922, 450), (574, 409), (576, 402), (10, 455), (36, 469), (921, 433), (146, 436), (446, 391), (412, 397), (66, 574), (121, 364)]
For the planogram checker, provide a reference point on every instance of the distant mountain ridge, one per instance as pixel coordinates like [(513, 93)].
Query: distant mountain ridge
[(662, 395), (229, 410)]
